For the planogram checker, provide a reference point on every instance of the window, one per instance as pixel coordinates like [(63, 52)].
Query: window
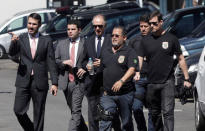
[(184, 26), (168, 20), (61, 24), (187, 23), (43, 17), (52, 14), (125, 20), (200, 34), (133, 17), (111, 23), (4, 30), (17, 24)]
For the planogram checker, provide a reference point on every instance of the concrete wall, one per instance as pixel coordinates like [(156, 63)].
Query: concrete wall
[(11, 7)]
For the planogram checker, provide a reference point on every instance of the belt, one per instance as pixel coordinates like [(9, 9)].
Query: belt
[(143, 75), (32, 77), (115, 93)]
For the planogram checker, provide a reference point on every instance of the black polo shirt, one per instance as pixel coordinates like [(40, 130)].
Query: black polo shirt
[(159, 52), (115, 65)]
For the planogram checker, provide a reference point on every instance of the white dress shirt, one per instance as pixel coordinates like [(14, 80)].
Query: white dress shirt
[(31, 39), (77, 41)]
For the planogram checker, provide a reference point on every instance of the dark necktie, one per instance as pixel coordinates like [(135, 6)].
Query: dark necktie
[(98, 46)]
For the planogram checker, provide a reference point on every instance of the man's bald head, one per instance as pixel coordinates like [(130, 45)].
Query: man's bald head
[(98, 18), (99, 24)]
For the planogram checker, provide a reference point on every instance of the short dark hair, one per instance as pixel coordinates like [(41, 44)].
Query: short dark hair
[(35, 16), (74, 22), (156, 13), (144, 18), (124, 32)]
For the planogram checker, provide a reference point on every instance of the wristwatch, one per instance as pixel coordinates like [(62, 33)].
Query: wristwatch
[(122, 81), (188, 80)]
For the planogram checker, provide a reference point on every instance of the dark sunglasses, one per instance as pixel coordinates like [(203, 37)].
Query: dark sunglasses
[(115, 35), (100, 26), (154, 23)]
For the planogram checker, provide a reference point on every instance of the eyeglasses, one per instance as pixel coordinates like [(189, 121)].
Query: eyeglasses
[(100, 26), (154, 23), (115, 35)]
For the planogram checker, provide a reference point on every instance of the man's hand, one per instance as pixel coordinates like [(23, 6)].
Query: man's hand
[(116, 87), (96, 63), (14, 37), (80, 72), (137, 76), (187, 84), (68, 62), (54, 90)]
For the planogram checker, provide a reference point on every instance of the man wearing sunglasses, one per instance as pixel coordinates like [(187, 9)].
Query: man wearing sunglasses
[(94, 47), (119, 64), (159, 49), (141, 84)]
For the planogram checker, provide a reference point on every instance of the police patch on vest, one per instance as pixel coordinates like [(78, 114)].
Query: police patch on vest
[(121, 59), (165, 45), (135, 61)]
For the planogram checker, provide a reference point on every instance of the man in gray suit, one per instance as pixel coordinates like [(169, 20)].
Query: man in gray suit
[(68, 56), (35, 56)]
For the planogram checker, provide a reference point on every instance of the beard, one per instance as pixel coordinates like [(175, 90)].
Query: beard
[(115, 45)]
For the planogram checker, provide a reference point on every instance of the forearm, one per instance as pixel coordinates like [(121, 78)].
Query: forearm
[(14, 48), (82, 62), (130, 72), (52, 65), (60, 64), (140, 62), (84, 59), (53, 74), (183, 66), (58, 60)]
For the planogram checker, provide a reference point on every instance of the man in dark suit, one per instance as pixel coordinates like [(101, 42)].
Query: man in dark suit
[(94, 46), (35, 53), (68, 56)]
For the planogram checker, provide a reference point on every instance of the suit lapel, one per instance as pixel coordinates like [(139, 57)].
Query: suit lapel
[(27, 45), (39, 46), (93, 45), (67, 47), (106, 42), (80, 47)]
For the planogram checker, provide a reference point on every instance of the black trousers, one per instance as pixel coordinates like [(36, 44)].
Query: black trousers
[(21, 106), (161, 101)]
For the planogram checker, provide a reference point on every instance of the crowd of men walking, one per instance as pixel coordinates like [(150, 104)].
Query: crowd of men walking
[(117, 76)]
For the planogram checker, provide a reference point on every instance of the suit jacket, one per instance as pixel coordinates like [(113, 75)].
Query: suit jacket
[(94, 82), (43, 61), (62, 53)]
